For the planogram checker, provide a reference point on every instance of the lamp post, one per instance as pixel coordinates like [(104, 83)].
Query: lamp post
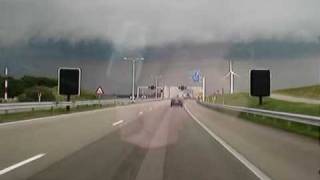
[(133, 61), (157, 83)]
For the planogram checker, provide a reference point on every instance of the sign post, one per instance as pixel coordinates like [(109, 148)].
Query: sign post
[(196, 77), (69, 81), (203, 88), (99, 93)]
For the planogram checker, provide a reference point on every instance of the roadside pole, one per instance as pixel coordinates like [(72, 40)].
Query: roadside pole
[(156, 78), (39, 96), (99, 93), (99, 100), (222, 96), (68, 100), (203, 88), (156, 88), (138, 92), (6, 84), (133, 78), (133, 61)]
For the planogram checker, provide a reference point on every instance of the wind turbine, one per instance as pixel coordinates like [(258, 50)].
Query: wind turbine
[(231, 73)]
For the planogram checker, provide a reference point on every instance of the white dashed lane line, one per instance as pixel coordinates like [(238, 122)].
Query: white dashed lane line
[(15, 166), (118, 123)]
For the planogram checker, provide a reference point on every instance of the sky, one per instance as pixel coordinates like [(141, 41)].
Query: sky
[(37, 36), (145, 22)]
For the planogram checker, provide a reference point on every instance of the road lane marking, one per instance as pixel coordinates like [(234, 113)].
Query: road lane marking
[(118, 123), (74, 114), (140, 113), (15, 166), (261, 175)]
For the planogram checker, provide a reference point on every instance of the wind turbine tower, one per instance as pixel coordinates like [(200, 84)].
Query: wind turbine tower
[(231, 73)]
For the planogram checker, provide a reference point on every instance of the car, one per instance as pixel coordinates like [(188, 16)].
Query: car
[(176, 102)]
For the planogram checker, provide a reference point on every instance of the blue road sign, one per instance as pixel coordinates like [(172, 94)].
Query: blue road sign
[(196, 76)]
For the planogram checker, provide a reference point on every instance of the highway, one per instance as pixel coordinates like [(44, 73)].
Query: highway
[(153, 141)]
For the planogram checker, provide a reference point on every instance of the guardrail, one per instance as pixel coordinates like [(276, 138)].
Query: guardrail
[(305, 119), (29, 106)]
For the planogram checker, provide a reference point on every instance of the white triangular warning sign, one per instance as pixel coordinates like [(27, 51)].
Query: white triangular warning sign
[(99, 91)]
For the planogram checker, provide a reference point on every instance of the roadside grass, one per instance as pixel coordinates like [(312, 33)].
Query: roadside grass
[(10, 117), (312, 92), (299, 128), (243, 99)]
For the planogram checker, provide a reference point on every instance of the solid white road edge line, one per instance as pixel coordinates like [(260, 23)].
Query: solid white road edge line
[(117, 123), (261, 175), (58, 116), (15, 166)]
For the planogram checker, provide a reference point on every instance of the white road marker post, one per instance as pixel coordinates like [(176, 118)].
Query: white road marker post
[(203, 88), (6, 84), (39, 96)]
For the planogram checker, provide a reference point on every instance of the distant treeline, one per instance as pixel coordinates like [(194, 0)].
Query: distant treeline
[(28, 88), (19, 86)]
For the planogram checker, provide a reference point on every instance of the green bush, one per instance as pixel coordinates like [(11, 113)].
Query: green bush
[(18, 86), (31, 94), (30, 81)]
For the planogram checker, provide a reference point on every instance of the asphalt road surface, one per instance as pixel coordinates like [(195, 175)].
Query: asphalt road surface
[(152, 141)]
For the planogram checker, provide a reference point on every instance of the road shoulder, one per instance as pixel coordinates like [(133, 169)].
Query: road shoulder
[(280, 154)]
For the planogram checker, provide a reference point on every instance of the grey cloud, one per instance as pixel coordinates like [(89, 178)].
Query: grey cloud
[(152, 22)]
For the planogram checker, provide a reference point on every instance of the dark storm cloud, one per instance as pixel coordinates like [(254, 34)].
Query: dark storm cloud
[(148, 22), (176, 37)]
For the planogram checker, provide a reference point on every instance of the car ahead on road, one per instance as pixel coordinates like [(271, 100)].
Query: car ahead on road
[(176, 102)]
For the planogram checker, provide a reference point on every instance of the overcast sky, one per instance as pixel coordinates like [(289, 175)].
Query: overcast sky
[(144, 22), (140, 23)]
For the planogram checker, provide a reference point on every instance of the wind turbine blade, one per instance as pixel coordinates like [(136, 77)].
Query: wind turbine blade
[(228, 74), (235, 74)]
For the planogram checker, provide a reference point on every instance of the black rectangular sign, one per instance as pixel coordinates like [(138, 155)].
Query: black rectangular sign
[(260, 83), (69, 80)]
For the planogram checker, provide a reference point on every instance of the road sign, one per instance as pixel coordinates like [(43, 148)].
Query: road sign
[(99, 91), (196, 76), (260, 83), (69, 80)]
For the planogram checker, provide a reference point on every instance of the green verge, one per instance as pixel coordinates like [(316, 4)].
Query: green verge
[(10, 117), (312, 92), (299, 128), (243, 99)]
